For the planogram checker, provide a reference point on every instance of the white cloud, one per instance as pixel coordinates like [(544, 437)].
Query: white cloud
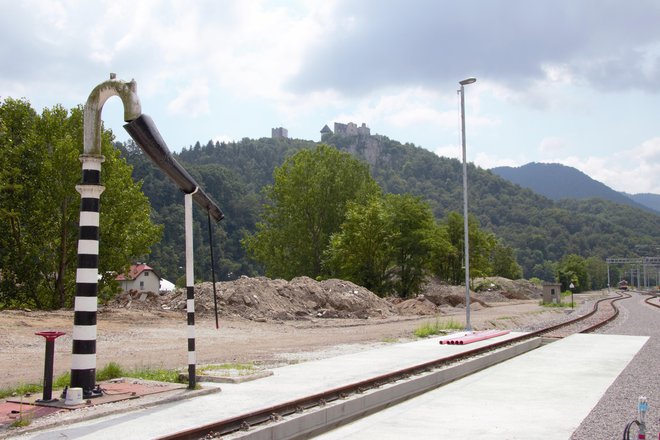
[(192, 101), (552, 145), (633, 171)]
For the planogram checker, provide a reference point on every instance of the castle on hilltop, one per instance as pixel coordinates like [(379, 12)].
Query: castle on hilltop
[(350, 129)]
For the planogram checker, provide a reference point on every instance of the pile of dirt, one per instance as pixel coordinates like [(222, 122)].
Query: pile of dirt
[(261, 299), (418, 306), (137, 300), (444, 295), (509, 289)]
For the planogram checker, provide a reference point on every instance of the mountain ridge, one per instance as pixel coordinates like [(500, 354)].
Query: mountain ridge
[(557, 182)]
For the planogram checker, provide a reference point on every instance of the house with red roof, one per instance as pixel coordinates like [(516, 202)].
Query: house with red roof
[(140, 277)]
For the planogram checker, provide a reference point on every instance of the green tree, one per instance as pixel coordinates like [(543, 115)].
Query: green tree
[(572, 269), (307, 204), (481, 245), (385, 245), (596, 272), (504, 262), (413, 239), (40, 207), (362, 251)]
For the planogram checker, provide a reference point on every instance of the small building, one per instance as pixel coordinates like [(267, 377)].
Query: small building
[(551, 293), (141, 278), (325, 132), (279, 132)]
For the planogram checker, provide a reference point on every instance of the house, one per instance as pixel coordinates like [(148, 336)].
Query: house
[(140, 277)]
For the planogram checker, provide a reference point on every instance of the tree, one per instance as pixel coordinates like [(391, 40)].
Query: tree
[(414, 225), (307, 204), (572, 269), (362, 251), (385, 244), (39, 219), (481, 243), (504, 262), (596, 272)]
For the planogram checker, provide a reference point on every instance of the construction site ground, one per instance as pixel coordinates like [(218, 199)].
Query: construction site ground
[(264, 323), (153, 333)]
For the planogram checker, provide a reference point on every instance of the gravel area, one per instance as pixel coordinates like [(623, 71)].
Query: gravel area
[(618, 406)]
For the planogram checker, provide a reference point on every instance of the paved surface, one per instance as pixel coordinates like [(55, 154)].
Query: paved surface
[(287, 383), (543, 394), (531, 396)]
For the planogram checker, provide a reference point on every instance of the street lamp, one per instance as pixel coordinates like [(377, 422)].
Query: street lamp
[(468, 326)]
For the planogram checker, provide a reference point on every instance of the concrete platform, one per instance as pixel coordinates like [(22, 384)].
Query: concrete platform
[(550, 389), (286, 383), (544, 394)]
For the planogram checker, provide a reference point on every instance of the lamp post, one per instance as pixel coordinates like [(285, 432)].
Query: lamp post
[(468, 326)]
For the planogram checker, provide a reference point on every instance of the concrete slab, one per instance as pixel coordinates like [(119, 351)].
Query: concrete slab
[(286, 383), (544, 394), (114, 390)]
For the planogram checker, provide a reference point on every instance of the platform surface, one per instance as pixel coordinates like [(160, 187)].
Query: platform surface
[(540, 379), (543, 394)]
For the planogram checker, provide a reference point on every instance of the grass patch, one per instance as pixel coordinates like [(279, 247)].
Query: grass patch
[(390, 340), (437, 327), (157, 374), (240, 369), (111, 371), (20, 390), (555, 305)]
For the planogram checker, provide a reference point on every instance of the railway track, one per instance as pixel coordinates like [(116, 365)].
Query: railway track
[(603, 312), (650, 302)]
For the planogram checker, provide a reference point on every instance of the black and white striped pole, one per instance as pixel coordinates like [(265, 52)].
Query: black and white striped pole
[(83, 359), (190, 290), (146, 135)]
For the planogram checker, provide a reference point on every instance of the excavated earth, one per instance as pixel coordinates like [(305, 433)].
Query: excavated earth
[(262, 321)]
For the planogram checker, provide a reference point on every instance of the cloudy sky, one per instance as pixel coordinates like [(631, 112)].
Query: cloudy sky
[(575, 82)]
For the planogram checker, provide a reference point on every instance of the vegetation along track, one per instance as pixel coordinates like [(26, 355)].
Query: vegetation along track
[(604, 311)]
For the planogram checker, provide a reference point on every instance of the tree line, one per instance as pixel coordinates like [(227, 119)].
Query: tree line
[(40, 208), (392, 210)]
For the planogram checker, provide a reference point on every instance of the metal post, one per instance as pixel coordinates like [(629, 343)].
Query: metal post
[(468, 325), (190, 290), (608, 278), (47, 395)]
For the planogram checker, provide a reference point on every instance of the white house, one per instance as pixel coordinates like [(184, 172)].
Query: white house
[(140, 277)]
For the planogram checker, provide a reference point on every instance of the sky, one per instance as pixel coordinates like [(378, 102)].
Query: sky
[(575, 82)]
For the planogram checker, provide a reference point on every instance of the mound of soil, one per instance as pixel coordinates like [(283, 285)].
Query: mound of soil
[(301, 298), (263, 299)]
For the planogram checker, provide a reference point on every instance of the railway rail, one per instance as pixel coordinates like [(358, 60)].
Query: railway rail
[(650, 302), (603, 312)]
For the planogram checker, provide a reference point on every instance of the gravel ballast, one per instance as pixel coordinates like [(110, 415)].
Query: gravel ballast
[(618, 406)]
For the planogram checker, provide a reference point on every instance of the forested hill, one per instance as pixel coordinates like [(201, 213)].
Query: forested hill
[(234, 174), (557, 182)]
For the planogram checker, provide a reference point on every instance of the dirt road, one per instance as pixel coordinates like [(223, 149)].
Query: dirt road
[(135, 338)]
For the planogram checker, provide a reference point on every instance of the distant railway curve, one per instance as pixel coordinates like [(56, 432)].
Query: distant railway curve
[(603, 312), (650, 302)]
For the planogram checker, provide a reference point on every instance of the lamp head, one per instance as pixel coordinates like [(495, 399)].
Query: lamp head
[(468, 81)]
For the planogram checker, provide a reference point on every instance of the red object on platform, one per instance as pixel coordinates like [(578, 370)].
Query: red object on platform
[(50, 336), (474, 337)]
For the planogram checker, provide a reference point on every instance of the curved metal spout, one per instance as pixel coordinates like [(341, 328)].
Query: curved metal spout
[(127, 92)]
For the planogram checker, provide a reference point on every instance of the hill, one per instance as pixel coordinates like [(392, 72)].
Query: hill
[(557, 182), (647, 199), (538, 228)]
